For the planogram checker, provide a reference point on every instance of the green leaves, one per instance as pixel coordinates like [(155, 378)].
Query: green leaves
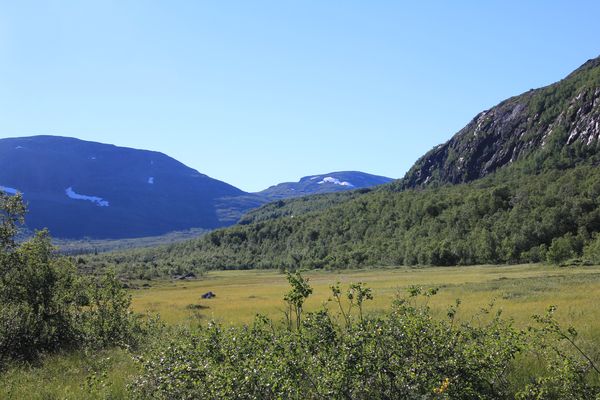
[(295, 298), (404, 354), (47, 306)]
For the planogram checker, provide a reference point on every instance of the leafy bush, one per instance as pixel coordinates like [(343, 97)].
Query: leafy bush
[(591, 251), (404, 354), (46, 306), (561, 249)]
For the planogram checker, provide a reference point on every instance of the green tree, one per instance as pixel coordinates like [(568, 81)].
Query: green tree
[(561, 249), (46, 305)]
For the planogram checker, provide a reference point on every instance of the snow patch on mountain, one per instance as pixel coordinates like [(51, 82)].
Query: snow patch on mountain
[(335, 181), (99, 201), (151, 180), (9, 190)]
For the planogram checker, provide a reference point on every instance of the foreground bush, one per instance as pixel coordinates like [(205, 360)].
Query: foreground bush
[(405, 354), (46, 305)]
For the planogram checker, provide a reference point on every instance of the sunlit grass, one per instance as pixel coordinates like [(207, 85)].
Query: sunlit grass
[(519, 290), (66, 376)]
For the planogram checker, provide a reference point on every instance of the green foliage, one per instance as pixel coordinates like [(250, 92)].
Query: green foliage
[(561, 249), (356, 295), (298, 206), (39, 296), (106, 319), (165, 261), (569, 373), (591, 251), (46, 306), (509, 217), (404, 354), (12, 211), (295, 298)]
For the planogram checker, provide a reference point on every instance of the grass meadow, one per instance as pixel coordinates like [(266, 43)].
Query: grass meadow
[(519, 290)]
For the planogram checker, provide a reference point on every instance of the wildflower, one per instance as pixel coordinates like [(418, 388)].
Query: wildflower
[(443, 387)]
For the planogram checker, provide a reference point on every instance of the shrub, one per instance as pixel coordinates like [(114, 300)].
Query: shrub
[(561, 249), (46, 305), (591, 251), (404, 354)]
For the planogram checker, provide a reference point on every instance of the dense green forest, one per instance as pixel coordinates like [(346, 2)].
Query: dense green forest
[(520, 183), (505, 218)]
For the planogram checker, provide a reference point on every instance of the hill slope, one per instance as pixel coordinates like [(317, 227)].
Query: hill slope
[(78, 188), (82, 189), (554, 122), (526, 188)]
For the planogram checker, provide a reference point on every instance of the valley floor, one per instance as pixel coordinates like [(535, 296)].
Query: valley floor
[(519, 290)]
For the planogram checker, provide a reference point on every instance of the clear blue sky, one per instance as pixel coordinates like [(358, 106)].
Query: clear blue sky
[(259, 92)]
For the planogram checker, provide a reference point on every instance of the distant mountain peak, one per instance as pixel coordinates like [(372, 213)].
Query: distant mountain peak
[(324, 183)]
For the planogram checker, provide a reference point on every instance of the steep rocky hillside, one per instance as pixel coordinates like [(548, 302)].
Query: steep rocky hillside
[(545, 123)]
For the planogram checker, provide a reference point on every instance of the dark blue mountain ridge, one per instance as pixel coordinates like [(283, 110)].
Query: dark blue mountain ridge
[(324, 183), (80, 189)]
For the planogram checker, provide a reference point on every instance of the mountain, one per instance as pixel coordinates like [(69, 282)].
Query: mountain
[(324, 183), (520, 183), (78, 188), (563, 117)]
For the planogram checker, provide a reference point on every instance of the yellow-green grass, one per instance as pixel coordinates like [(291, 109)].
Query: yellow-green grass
[(72, 376), (519, 290)]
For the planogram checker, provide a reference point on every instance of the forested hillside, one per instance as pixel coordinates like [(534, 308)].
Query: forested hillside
[(520, 183)]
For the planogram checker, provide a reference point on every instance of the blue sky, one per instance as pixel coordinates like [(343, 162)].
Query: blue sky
[(260, 92)]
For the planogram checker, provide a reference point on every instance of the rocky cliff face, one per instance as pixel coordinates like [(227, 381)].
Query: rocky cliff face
[(542, 121)]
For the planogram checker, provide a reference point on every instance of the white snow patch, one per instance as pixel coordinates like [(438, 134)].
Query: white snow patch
[(151, 180), (314, 177), (92, 157), (335, 181), (19, 147), (100, 202), (9, 190)]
